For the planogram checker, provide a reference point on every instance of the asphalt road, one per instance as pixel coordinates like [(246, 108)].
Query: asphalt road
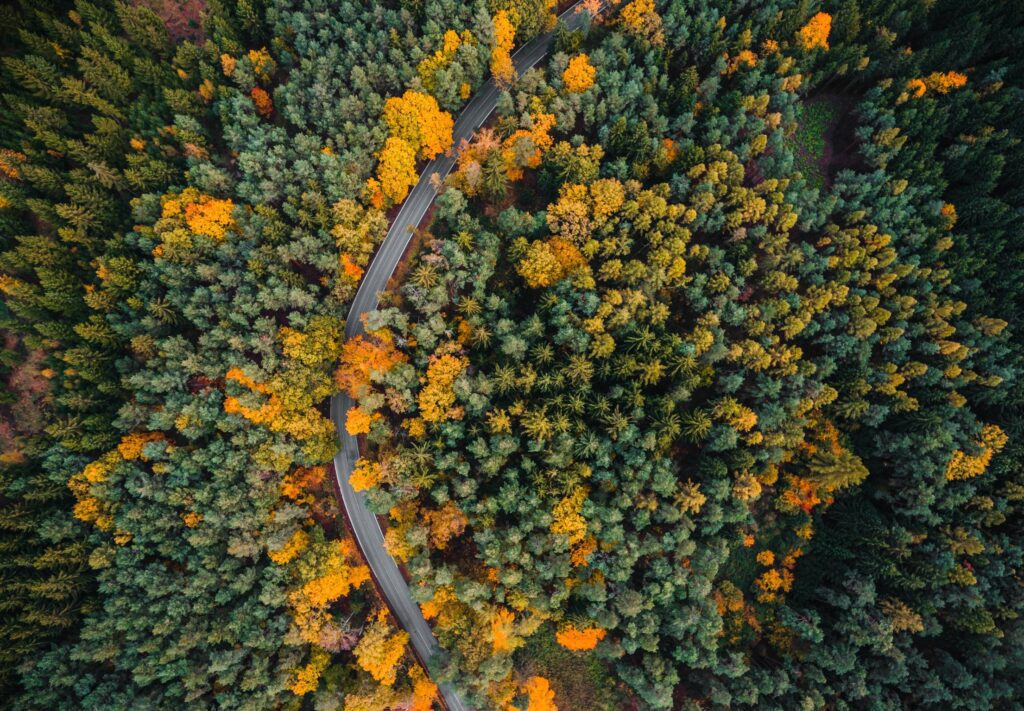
[(369, 536)]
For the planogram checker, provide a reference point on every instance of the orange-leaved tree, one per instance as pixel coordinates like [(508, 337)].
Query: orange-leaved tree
[(365, 359), (815, 33), (540, 696)]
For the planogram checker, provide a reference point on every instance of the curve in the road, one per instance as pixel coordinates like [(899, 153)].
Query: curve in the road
[(368, 534)]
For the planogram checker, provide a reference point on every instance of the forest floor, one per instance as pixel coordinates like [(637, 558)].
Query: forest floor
[(182, 18), (811, 148), (580, 680), (824, 142)]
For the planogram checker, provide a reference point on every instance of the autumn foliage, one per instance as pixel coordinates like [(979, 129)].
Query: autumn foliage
[(501, 55), (428, 68), (261, 99), (580, 640), (202, 214), (365, 359), (579, 74), (815, 33), (540, 696), (396, 173), (437, 398), (642, 20), (380, 649), (418, 120)]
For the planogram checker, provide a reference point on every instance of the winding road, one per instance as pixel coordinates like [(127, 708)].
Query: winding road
[(368, 533)]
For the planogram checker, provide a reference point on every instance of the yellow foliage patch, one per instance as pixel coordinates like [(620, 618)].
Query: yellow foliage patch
[(641, 20), (396, 172), (132, 444), (966, 466), (366, 474), (501, 55), (437, 398), (292, 547), (419, 121), (579, 74), (380, 649), (567, 518)]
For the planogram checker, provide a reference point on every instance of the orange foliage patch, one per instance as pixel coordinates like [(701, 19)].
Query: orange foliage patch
[(264, 104), (203, 214), (358, 421), (446, 523), (366, 474), (539, 694), (580, 554), (366, 358), (540, 138), (352, 270), (800, 494), (815, 33), (296, 485), (945, 82), (580, 640), (501, 630), (131, 445)]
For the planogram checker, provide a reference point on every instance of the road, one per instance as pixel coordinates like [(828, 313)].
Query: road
[(368, 534)]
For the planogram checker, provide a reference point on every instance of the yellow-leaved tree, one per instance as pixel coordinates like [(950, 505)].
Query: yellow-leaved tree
[(396, 173), (419, 121), (380, 649), (579, 74), (501, 55), (641, 20)]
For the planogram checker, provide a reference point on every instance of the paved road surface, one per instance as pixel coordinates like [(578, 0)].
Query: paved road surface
[(368, 533)]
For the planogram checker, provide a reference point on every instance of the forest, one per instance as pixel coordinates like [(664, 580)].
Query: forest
[(697, 385)]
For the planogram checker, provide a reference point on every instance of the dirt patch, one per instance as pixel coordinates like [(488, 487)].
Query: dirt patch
[(182, 18)]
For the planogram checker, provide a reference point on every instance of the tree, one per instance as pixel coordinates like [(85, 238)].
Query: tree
[(642, 20), (380, 649), (815, 33), (579, 74), (417, 119), (396, 172), (501, 54)]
